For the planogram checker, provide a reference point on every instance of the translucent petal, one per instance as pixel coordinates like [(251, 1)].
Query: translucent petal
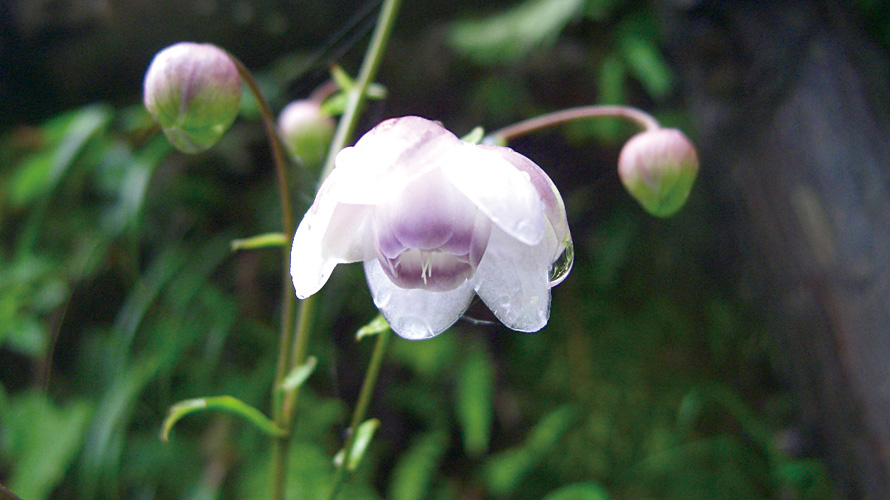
[(390, 156), (513, 280), (501, 191), (416, 314), (329, 234), (554, 208)]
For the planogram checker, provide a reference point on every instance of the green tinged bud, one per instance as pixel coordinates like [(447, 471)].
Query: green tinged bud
[(193, 91), (658, 168), (306, 132)]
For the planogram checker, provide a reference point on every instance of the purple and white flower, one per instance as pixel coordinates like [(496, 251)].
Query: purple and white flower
[(436, 220)]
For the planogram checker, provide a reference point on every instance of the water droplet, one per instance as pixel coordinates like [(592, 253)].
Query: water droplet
[(563, 264)]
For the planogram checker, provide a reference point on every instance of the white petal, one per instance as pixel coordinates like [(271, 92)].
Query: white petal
[(329, 234), (501, 191), (513, 281), (416, 314), (390, 156), (554, 208)]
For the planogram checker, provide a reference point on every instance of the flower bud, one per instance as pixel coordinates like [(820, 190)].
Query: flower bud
[(306, 132), (658, 168), (193, 91)]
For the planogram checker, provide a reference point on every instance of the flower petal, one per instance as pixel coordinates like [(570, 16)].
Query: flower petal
[(392, 155), (488, 177), (554, 207), (330, 233), (416, 314), (513, 281)]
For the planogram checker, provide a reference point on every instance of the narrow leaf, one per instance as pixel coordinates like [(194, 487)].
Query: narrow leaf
[(414, 472), (475, 136), (376, 326), (363, 436), (475, 388), (227, 404), (299, 375), (260, 241), (342, 78)]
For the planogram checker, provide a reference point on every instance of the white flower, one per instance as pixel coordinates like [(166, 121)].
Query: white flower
[(435, 220)]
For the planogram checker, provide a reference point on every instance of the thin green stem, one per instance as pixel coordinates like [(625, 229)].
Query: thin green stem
[(356, 96), (641, 118), (361, 407), (293, 354), (299, 352), (289, 299)]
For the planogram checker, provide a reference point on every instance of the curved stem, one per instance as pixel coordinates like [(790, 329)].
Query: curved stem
[(357, 94), (288, 307), (361, 407), (640, 118)]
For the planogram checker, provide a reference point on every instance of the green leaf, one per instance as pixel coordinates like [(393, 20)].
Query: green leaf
[(363, 436), (413, 474), (342, 78), (67, 135), (260, 241), (638, 47), (374, 327), (299, 375), (475, 136), (335, 104), (579, 491), (505, 471), (514, 34), (227, 404), (475, 389), (43, 440)]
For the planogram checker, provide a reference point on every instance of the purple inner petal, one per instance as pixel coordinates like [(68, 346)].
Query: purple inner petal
[(430, 236)]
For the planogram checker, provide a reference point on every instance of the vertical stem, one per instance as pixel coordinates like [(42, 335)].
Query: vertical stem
[(288, 307), (361, 407)]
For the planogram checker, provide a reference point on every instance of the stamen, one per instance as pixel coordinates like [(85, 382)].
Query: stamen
[(426, 266)]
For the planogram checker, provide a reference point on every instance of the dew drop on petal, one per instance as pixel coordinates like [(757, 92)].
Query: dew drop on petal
[(562, 265)]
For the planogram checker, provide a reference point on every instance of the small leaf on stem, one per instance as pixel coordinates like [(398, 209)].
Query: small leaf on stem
[(260, 241), (227, 404), (363, 436), (376, 326), (299, 375)]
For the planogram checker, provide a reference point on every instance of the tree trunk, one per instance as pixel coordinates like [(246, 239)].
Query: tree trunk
[(790, 102)]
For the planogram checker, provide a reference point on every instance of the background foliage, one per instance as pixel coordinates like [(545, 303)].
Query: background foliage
[(119, 295)]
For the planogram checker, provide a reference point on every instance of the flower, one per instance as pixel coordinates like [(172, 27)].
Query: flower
[(436, 220), (658, 168), (306, 131), (193, 91)]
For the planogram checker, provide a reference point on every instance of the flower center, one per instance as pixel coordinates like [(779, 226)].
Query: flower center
[(430, 236)]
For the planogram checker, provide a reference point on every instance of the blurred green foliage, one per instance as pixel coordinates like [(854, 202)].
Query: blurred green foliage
[(119, 296)]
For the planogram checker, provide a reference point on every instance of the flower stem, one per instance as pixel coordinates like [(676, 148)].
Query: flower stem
[(356, 96), (288, 307), (293, 353), (361, 407), (638, 117)]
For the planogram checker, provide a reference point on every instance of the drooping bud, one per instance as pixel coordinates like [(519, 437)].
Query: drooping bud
[(193, 91), (658, 168), (306, 132)]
